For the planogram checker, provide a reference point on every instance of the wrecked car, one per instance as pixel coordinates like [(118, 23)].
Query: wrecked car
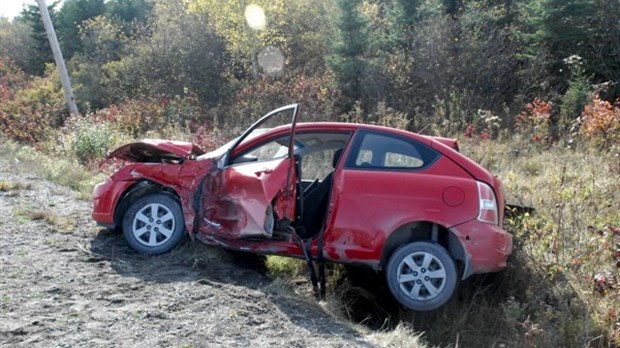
[(407, 204)]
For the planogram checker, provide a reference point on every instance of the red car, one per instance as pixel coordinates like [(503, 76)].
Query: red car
[(389, 199)]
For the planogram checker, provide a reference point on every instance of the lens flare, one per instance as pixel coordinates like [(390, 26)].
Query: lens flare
[(271, 60), (255, 17)]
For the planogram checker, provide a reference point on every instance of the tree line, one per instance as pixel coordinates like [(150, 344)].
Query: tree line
[(425, 61)]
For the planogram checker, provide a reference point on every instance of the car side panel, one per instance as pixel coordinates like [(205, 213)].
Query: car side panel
[(368, 205)]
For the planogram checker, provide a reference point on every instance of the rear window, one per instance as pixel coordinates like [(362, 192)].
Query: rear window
[(386, 151)]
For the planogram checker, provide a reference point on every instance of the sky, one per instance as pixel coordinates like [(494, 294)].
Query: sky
[(12, 8)]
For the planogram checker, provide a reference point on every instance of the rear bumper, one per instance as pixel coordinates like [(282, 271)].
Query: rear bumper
[(487, 246)]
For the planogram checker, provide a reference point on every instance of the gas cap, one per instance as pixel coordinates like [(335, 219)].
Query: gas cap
[(453, 196)]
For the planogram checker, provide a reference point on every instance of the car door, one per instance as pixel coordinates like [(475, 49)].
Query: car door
[(247, 196)]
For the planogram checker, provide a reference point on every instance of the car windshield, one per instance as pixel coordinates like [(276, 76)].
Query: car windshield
[(222, 149)]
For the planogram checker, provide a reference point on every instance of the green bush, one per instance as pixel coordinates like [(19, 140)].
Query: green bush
[(577, 94), (90, 140)]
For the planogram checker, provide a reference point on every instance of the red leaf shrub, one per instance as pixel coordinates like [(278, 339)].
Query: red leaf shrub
[(535, 120), (600, 122), (29, 108)]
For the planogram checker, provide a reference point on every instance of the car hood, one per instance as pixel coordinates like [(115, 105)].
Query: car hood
[(155, 150)]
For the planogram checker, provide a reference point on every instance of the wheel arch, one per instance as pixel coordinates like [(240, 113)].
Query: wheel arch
[(429, 232), (133, 193)]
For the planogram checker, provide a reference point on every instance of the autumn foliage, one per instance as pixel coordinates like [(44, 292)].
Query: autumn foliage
[(600, 122), (534, 121)]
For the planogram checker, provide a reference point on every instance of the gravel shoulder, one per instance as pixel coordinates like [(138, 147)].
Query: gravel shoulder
[(68, 283)]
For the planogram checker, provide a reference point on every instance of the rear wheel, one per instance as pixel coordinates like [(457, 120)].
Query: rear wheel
[(422, 276), (154, 224)]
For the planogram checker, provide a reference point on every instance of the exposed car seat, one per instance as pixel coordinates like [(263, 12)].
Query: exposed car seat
[(315, 203)]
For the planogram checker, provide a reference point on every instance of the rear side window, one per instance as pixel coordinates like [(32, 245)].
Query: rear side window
[(386, 151)]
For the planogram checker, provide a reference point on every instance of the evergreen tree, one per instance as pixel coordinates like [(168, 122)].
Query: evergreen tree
[(128, 10), (403, 16), (558, 29), (348, 48), (567, 27), (42, 51), (452, 7), (70, 18)]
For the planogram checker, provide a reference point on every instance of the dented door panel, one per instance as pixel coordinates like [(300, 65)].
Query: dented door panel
[(247, 200), (238, 201)]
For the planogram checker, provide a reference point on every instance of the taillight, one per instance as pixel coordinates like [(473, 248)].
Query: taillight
[(488, 204)]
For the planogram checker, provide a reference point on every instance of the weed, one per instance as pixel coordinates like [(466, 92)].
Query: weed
[(401, 336), (6, 186), (90, 140), (279, 286), (548, 300), (57, 222), (65, 172), (284, 267)]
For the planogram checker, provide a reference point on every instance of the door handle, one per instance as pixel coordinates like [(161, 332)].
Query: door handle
[(264, 171)]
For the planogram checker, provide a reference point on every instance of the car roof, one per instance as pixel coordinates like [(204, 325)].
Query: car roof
[(330, 127), (344, 126)]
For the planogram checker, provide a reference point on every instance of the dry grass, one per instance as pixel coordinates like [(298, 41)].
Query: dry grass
[(7, 186), (403, 336), (58, 223), (550, 296), (547, 297), (63, 171)]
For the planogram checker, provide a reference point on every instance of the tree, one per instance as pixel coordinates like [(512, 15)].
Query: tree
[(32, 16), (555, 30), (403, 17), (17, 43), (103, 41), (348, 48), (128, 11), (296, 28), (70, 18), (177, 54)]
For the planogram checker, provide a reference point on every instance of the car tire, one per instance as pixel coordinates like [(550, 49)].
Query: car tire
[(422, 276), (154, 224)]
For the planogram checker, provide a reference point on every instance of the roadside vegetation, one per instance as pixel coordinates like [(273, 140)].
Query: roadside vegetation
[(529, 96)]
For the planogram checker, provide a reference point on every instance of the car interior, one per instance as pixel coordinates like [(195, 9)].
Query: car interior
[(316, 157)]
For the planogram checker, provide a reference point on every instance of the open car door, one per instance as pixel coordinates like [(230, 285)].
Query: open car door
[(244, 199)]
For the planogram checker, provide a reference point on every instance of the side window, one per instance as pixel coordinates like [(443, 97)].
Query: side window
[(386, 151), (364, 158), (412, 160)]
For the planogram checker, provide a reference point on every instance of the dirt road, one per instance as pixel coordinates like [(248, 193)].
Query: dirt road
[(65, 282)]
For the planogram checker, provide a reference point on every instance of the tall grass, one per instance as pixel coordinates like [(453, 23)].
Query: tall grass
[(565, 248), (63, 171), (550, 295)]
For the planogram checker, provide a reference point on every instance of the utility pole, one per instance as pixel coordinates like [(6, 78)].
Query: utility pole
[(60, 62)]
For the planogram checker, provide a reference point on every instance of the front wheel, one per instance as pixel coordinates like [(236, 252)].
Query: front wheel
[(422, 276), (154, 224)]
